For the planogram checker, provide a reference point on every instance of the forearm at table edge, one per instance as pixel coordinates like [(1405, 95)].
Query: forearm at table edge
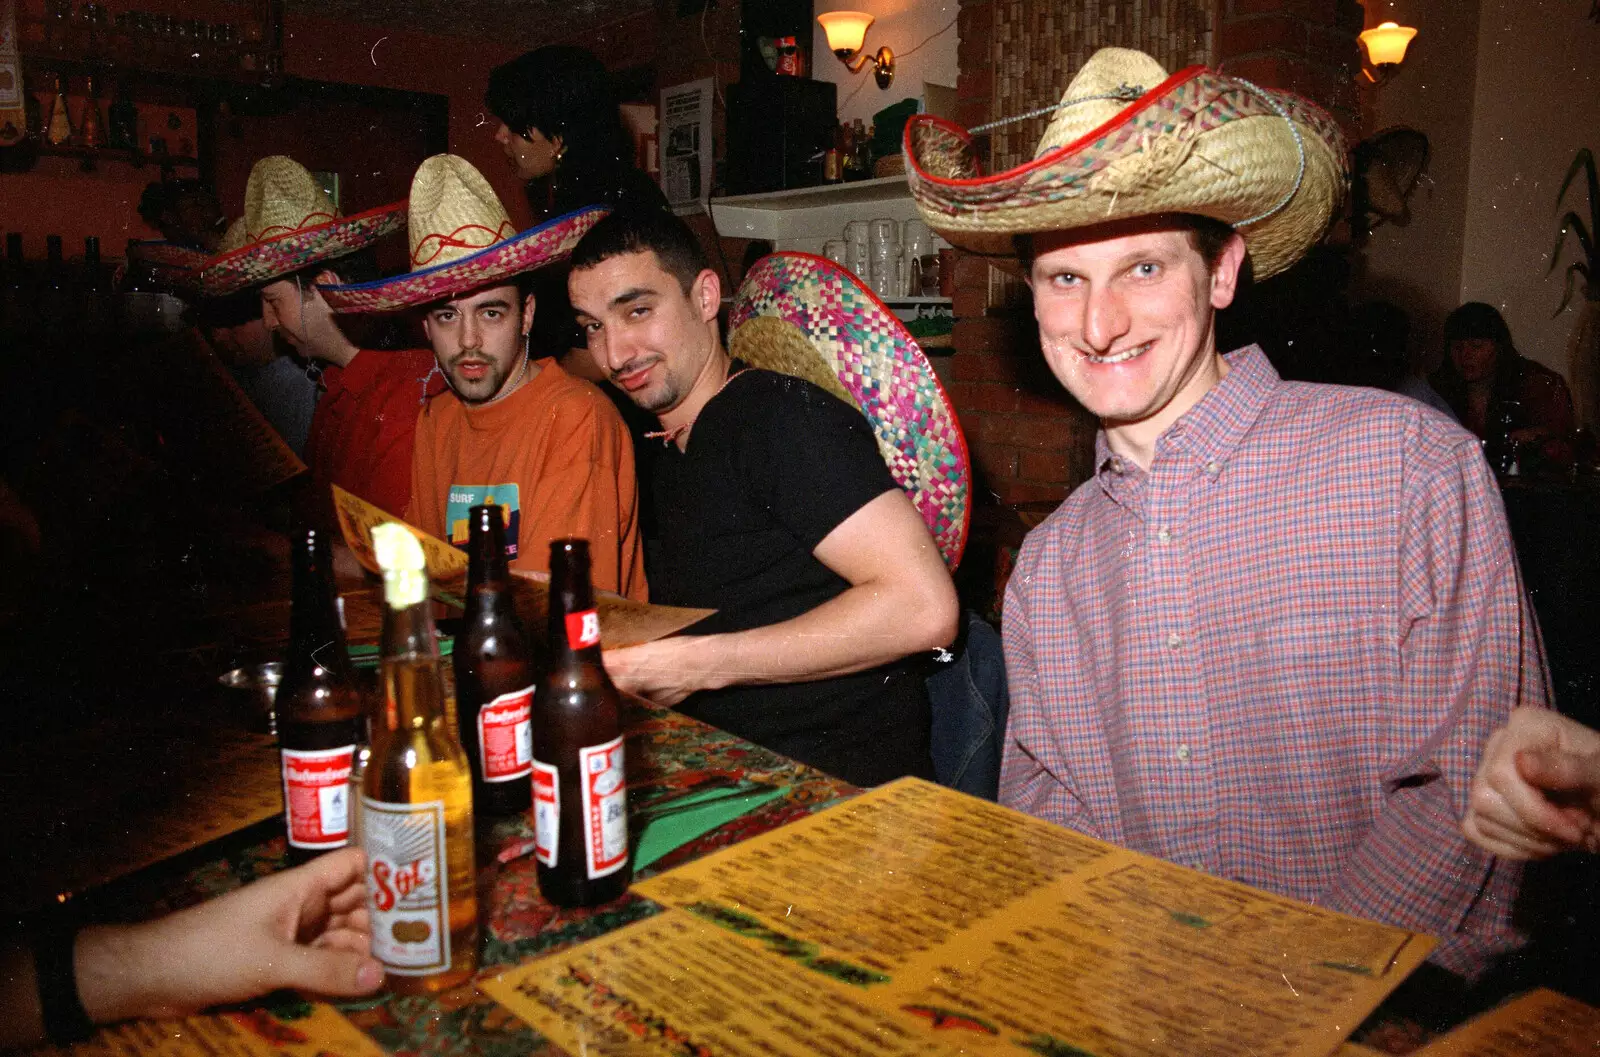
[(1415, 870)]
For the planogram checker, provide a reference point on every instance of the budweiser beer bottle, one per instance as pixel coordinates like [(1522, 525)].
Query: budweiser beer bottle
[(494, 675), (580, 797), (416, 796), (318, 708)]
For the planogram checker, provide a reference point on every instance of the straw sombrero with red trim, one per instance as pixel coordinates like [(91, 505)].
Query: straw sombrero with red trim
[(461, 239), (289, 223), (806, 316), (1127, 140)]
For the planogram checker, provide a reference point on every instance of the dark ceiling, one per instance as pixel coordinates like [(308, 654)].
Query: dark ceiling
[(528, 22)]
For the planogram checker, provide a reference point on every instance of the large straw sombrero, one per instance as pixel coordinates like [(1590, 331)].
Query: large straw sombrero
[(1127, 140), (806, 316), (461, 239), (289, 223)]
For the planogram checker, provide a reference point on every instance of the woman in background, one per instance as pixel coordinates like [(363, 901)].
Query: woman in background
[(1486, 382)]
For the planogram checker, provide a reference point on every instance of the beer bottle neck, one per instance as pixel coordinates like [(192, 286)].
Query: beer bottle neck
[(315, 634), (409, 654), (574, 636)]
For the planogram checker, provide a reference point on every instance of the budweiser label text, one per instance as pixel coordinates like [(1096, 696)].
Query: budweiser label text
[(316, 793)]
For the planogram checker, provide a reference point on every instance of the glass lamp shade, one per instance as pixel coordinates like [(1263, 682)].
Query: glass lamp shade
[(1386, 43), (846, 30)]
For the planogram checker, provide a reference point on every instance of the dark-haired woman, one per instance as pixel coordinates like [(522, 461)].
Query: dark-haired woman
[(1485, 380), (563, 134)]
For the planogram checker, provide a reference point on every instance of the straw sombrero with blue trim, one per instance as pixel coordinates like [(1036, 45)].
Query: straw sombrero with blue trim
[(806, 316), (290, 224), (461, 239), (1126, 140)]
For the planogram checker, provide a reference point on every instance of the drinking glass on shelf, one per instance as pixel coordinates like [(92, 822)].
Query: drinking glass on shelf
[(887, 274), (837, 251)]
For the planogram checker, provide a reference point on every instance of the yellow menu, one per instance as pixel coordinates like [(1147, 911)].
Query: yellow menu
[(1538, 1024), (311, 1030), (623, 622), (916, 920)]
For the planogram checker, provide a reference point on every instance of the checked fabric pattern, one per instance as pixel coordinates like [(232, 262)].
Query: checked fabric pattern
[(886, 374)]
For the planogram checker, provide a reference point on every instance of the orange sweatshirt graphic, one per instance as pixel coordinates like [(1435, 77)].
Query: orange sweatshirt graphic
[(555, 454)]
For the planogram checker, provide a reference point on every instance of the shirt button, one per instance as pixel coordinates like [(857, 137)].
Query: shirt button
[(1213, 468), (1174, 640), (1184, 753), (1164, 534)]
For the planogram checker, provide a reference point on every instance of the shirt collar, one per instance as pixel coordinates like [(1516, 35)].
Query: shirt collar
[(1211, 429)]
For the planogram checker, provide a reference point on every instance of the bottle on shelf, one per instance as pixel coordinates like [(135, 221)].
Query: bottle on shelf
[(91, 130), (416, 794), (122, 126), (52, 296), (494, 675), (57, 128), (580, 794), (16, 295)]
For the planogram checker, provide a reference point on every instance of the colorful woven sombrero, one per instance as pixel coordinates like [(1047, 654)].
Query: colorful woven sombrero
[(1127, 140), (806, 316), (290, 224), (461, 239)]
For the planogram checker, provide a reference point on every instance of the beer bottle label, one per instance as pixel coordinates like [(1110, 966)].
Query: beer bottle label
[(605, 808), (408, 885), (316, 796), (546, 812), (583, 629), (505, 736)]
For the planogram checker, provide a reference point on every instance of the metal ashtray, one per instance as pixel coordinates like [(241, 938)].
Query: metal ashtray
[(252, 691)]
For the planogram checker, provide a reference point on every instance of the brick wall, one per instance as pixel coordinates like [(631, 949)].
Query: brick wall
[(1305, 46), (1029, 440)]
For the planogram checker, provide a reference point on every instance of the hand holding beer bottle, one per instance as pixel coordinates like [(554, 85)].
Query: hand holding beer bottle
[(580, 795), (494, 675), (319, 709), (416, 802)]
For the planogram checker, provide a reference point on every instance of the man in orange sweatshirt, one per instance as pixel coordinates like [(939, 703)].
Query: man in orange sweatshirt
[(515, 429)]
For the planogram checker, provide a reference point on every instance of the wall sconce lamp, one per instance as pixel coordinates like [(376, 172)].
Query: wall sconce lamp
[(1386, 49), (847, 31)]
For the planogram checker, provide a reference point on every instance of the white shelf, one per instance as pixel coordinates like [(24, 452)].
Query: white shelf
[(803, 217), (881, 189)]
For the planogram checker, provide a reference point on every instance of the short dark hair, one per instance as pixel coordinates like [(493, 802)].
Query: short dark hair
[(638, 230), (1208, 237), (565, 91)]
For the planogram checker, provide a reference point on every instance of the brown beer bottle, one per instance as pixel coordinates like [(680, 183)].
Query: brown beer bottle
[(580, 795), (416, 795), (318, 708), (494, 675)]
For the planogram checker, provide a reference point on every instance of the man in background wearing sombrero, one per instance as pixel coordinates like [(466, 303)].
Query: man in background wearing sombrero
[(516, 429), (775, 507), (1270, 637), (289, 238)]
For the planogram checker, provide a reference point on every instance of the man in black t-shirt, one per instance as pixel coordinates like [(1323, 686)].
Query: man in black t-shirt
[(776, 509)]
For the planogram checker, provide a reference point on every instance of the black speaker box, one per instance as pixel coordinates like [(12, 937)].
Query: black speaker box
[(777, 128)]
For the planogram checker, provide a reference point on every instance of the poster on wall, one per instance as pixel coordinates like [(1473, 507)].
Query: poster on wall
[(686, 141)]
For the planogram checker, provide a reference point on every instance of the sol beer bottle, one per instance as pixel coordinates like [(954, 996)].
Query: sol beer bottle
[(580, 797), (416, 795), (318, 707), (494, 675)]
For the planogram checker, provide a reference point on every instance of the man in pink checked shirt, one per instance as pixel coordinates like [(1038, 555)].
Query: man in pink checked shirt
[(1270, 637)]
